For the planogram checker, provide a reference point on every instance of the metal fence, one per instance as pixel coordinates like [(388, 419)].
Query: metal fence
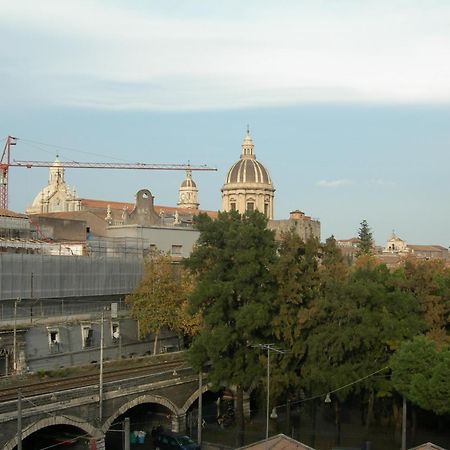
[(44, 276), (36, 309)]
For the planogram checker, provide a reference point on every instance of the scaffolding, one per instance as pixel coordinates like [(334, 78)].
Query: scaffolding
[(46, 276)]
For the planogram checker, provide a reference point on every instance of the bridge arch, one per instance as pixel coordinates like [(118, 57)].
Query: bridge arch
[(193, 398), (138, 401), (56, 420)]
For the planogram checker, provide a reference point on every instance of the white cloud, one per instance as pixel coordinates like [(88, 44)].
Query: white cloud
[(334, 183), (381, 182), (82, 51)]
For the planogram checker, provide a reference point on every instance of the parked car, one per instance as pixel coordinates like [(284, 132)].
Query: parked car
[(168, 440)]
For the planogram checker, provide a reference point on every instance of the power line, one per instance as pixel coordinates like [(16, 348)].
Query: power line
[(70, 149), (337, 389)]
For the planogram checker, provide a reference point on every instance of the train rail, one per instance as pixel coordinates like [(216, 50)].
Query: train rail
[(90, 379)]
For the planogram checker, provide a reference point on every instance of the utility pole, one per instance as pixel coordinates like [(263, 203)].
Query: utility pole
[(100, 384), (126, 433), (269, 348), (404, 424), (17, 300), (268, 391), (19, 420), (200, 413)]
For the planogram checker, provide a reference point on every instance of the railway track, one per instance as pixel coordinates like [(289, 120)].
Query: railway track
[(54, 386)]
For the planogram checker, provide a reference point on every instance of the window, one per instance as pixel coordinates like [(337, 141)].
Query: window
[(266, 209), (176, 249), (250, 206), (233, 206), (87, 336), (115, 332), (54, 340)]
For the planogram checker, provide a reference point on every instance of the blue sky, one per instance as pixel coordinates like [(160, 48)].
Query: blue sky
[(348, 102)]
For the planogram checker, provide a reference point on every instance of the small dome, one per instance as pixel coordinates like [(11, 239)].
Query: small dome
[(248, 171), (188, 183)]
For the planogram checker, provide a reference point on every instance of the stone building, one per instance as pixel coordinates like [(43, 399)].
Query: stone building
[(303, 225), (14, 225), (395, 245), (248, 185), (399, 247)]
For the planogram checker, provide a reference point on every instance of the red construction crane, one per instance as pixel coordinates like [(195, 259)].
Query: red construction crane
[(6, 163)]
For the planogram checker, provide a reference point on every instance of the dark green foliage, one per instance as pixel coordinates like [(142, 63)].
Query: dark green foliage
[(338, 324), (357, 325), (234, 294), (365, 239), (297, 274), (421, 373)]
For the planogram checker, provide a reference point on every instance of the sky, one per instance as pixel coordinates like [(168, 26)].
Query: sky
[(348, 102)]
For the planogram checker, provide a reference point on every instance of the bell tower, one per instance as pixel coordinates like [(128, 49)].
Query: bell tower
[(188, 192)]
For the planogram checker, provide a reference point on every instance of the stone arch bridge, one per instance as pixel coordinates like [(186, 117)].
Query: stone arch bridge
[(79, 407)]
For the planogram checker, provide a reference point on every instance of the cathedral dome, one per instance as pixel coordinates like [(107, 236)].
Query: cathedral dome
[(248, 185), (248, 170)]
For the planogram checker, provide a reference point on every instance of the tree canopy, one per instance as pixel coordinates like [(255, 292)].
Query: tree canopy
[(365, 239), (234, 294), (160, 299), (420, 372)]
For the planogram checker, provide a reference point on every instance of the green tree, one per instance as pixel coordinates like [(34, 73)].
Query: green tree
[(429, 282), (420, 372), (302, 271), (297, 278), (365, 239), (234, 295), (356, 326), (160, 299)]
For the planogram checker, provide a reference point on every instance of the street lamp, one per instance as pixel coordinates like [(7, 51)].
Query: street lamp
[(15, 365), (269, 348), (100, 382)]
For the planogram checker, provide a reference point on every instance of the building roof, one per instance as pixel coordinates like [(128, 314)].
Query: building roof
[(278, 442), (428, 446), (352, 242), (8, 213), (426, 248), (66, 215), (103, 204)]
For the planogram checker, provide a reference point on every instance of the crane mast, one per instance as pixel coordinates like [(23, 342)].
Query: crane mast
[(4, 166), (6, 163)]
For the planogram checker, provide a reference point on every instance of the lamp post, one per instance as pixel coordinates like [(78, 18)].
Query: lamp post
[(269, 348), (17, 300), (100, 383), (404, 424)]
